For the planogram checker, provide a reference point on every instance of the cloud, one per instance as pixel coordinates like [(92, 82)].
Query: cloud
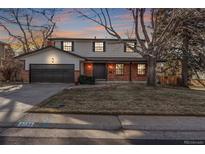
[(63, 33), (63, 17), (91, 31), (124, 17), (94, 28), (128, 17)]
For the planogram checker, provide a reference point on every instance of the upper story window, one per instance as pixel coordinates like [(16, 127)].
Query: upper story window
[(129, 46), (68, 46), (99, 46), (141, 69), (119, 69)]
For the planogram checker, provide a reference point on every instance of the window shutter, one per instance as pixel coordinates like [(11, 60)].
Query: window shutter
[(93, 46), (125, 47), (62, 45), (135, 46), (72, 45), (104, 46)]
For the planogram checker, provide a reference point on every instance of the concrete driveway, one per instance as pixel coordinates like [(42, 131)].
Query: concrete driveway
[(16, 99)]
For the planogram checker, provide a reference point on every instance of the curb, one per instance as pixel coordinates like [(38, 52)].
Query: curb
[(27, 124)]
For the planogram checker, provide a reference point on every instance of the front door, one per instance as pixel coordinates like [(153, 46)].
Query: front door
[(99, 71)]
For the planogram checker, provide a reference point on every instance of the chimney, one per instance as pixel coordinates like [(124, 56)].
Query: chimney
[(50, 43)]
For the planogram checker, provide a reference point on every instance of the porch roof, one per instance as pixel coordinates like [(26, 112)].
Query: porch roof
[(116, 59)]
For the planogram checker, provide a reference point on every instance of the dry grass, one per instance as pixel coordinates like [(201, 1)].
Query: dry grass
[(3, 84), (126, 99)]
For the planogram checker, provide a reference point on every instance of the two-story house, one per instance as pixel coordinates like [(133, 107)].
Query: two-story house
[(65, 59)]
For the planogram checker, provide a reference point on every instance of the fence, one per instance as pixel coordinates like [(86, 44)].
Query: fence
[(170, 80), (196, 83)]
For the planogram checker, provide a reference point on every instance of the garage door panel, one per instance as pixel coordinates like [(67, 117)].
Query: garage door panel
[(52, 73)]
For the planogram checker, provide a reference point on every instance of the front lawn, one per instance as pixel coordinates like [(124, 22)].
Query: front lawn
[(126, 99)]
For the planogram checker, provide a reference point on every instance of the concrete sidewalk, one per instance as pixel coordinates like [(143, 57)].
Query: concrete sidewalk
[(66, 121), (112, 122), (106, 127), (169, 123)]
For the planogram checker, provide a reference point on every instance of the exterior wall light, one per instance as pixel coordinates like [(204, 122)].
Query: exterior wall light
[(110, 66), (89, 66), (52, 60)]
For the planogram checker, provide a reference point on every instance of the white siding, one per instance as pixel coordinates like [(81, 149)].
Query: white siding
[(58, 44), (113, 49), (45, 57)]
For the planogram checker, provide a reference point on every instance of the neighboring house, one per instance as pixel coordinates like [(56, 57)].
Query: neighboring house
[(4, 47), (65, 59), (5, 54)]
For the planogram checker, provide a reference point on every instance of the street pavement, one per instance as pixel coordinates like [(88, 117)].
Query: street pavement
[(74, 136)]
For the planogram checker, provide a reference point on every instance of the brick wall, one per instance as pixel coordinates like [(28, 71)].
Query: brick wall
[(126, 76), (135, 76), (77, 75), (88, 69), (111, 72), (24, 76)]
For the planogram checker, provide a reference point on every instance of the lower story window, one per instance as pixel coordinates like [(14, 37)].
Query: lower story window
[(141, 69), (119, 69)]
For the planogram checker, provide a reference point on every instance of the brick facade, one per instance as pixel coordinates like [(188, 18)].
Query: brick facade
[(130, 72), (77, 75), (135, 76), (88, 69), (111, 73), (24, 76)]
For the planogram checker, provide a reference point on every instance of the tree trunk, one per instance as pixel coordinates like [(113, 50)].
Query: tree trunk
[(184, 70), (185, 57), (151, 73)]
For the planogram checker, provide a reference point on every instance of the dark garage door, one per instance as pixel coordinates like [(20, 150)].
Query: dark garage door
[(62, 73)]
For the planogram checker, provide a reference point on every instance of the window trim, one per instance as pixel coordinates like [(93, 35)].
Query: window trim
[(72, 46), (145, 69), (125, 47), (122, 69), (99, 42)]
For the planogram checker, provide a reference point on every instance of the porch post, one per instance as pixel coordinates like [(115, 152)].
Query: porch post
[(130, 72)]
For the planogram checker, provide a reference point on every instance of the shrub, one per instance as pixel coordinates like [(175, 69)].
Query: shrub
[(86, 79)]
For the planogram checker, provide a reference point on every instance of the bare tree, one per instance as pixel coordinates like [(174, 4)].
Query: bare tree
[(149, 42), (10, 66), (187, 43), (29, 28)]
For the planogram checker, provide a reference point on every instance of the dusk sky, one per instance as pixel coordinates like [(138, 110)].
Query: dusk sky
[(71, 25)]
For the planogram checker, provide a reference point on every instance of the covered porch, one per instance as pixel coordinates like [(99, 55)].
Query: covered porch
[(116, 70)]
